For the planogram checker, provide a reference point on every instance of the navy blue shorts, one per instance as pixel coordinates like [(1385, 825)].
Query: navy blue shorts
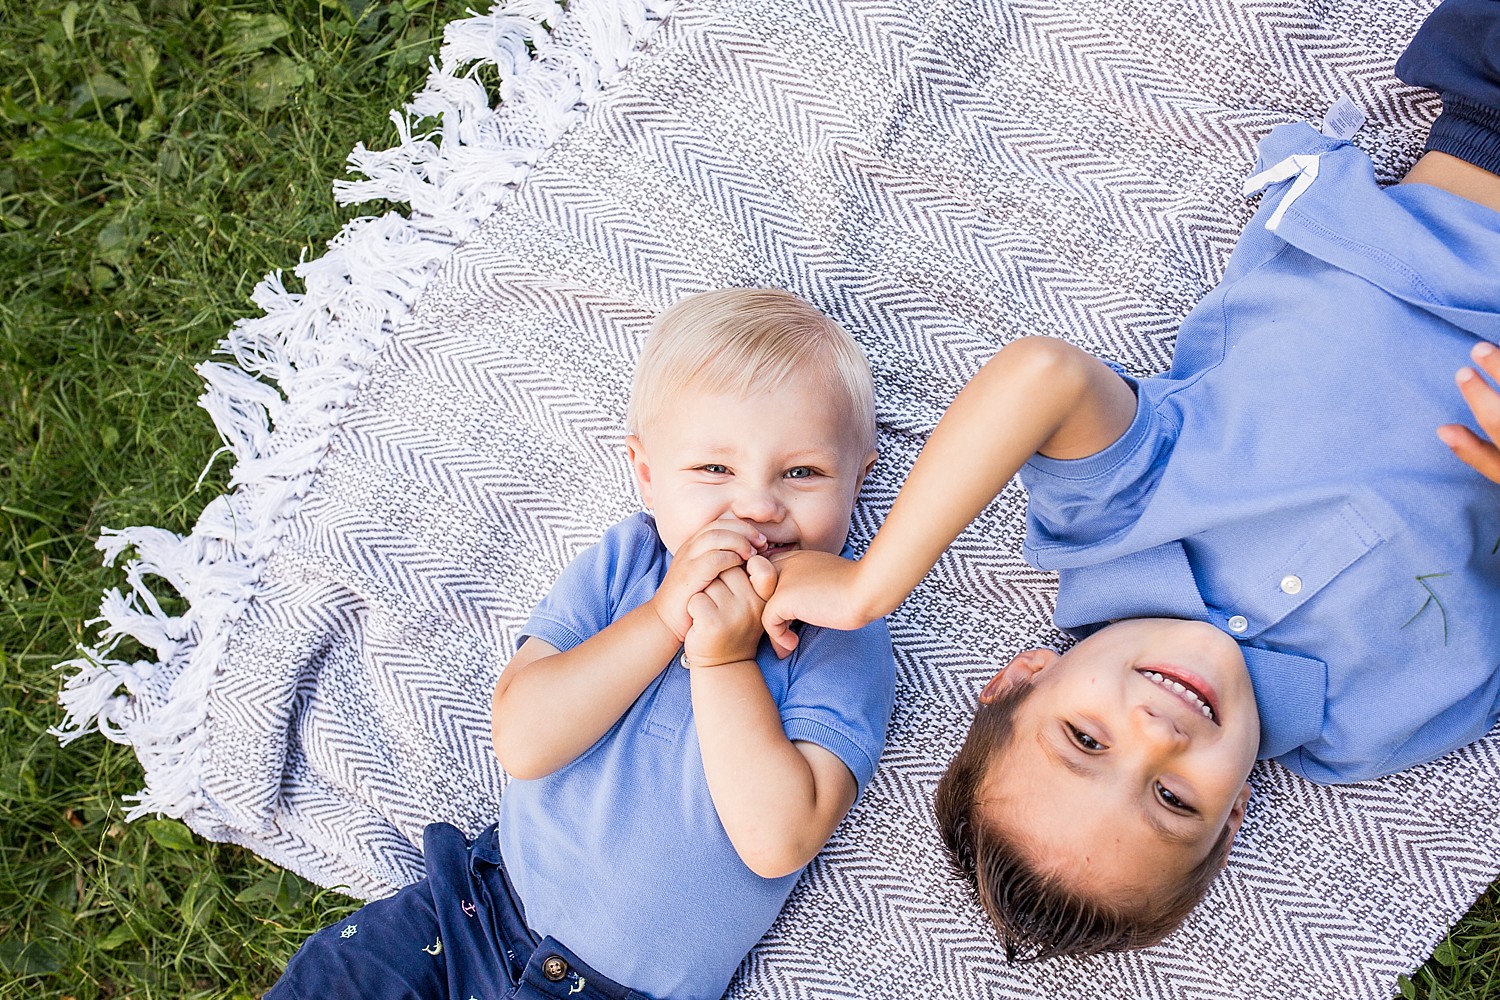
[(1456, 52), (459, 934)]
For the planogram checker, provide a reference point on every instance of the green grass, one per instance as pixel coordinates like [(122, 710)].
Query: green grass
[(156, 158)]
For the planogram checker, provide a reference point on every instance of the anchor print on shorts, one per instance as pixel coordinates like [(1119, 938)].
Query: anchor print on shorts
[(434, 949)]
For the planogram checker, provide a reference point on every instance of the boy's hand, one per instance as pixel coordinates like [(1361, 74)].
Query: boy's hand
[(726, 615), (818, 588), (1484, 401), (724, 544)]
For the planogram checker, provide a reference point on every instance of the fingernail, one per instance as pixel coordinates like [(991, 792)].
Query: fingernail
[(1465, 376), (1482, 350), (1448, 436)]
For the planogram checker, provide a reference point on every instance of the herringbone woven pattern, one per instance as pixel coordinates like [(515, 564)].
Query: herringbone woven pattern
[(942, 177)]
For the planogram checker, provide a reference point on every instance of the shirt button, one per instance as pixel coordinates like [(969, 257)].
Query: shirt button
[(554, 968), (1238, 623), (1291, 584)]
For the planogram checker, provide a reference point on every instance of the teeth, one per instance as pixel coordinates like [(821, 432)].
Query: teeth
[(1183, 691)]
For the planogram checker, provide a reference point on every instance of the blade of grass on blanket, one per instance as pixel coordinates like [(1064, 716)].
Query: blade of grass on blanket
[(156, 158)]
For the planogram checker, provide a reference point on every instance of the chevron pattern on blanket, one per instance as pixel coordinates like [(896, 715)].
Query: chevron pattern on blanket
[(943, 177)]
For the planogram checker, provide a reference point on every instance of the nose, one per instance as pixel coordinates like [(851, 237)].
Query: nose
[(1157, 731), (758, 503)]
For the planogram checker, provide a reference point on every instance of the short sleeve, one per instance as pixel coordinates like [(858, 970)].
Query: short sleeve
[(1074, 505), (841, 690), (606, 580)]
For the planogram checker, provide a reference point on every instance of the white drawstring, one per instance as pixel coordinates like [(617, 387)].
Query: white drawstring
[(1303, 166)]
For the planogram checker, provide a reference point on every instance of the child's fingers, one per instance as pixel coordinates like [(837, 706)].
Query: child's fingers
[(1482, 455), (729, 534), (1482, 399), (779, 631), (733, 585), (1484, 403), (702, 608), (740, 594), (1487, 357), (706, 567), (762, 576)]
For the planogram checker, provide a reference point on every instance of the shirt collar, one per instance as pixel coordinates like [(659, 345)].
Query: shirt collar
[(1158, 583), (1289, 694)]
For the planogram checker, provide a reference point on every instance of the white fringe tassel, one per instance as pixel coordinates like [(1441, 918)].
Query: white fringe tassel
[(315, 346)]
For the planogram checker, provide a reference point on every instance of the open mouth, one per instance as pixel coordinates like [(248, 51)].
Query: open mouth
[(1197, 697), (774, 547)]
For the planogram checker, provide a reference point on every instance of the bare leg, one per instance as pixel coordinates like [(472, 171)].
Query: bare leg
[(1455, 176)]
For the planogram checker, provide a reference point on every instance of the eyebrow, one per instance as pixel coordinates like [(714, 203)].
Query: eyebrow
[(1174, 833), (806, 455), (1077, 767)]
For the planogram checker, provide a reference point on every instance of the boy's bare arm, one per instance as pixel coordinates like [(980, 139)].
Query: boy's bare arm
[(550, 706), (1035, 395), (779, 801)]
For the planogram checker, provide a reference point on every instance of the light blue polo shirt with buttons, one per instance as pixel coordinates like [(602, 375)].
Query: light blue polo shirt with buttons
[(620, 855), (1283, 482)]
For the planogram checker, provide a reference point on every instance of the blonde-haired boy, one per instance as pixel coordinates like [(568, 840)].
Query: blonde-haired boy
[(659, 816)]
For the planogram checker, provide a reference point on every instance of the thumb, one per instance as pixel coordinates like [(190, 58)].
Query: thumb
[(762, 576), (779, 631)]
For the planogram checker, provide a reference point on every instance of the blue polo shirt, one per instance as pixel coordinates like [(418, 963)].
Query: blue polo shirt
[(1283, 482), (620, 855)]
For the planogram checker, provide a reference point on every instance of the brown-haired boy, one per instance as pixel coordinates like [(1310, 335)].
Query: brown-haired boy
[(1266, 550)]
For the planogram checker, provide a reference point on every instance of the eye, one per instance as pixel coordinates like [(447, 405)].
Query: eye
[(1171, 799), (715, 469), (801, 472), (1085, 741)]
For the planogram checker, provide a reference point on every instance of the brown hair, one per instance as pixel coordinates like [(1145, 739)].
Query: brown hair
[(1037, 913)]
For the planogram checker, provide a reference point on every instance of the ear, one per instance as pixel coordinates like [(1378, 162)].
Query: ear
[(870, 460), (1236, 817), (1021, 669), (641, 466)]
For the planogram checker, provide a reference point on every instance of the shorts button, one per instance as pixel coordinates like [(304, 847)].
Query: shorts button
[(1291, 584), (554, 968), (1238, 623)]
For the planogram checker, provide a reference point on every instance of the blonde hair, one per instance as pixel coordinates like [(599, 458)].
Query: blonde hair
[(744, 340)]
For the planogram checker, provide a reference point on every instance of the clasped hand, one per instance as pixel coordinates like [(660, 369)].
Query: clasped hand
[(715, 591)]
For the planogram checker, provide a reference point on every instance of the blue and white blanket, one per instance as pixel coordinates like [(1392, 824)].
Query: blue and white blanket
[(436, 430)]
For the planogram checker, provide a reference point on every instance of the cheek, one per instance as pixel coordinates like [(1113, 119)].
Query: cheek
[(824, 519), (684, 510)]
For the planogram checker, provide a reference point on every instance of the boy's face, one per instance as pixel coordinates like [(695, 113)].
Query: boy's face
[(784, 460), (1116, 778)]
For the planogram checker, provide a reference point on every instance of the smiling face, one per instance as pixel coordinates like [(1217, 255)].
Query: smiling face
[(786, 459), (1130, 756)]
